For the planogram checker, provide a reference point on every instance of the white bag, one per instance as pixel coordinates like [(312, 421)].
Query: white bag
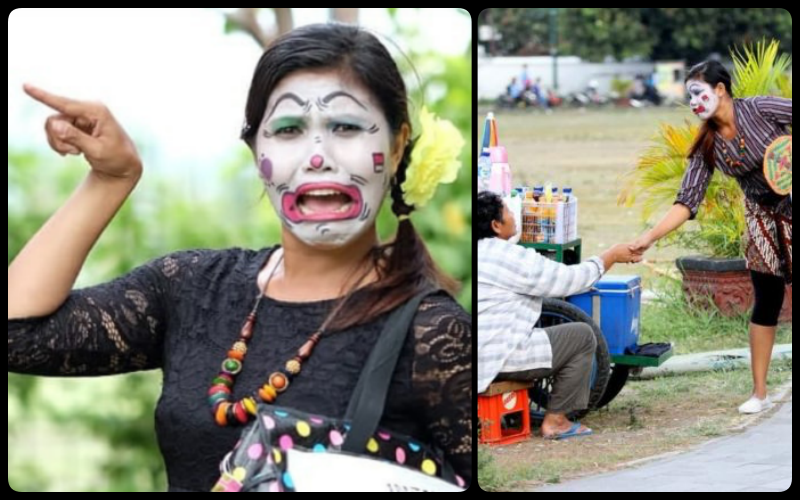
[(339, 472)]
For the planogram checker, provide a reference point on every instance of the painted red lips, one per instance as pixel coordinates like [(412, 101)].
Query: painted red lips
[(317, 202)]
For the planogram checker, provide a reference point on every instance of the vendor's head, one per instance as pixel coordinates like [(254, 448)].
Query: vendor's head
[(327, 121), (709, 86), (495, 220)]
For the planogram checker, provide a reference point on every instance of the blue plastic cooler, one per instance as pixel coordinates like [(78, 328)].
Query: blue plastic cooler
[(615, 303)]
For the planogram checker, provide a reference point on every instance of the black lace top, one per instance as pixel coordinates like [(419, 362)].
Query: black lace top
[(182, 313)]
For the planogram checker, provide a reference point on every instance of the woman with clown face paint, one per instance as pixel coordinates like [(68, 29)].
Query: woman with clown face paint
[(327, 120), (733, 140)]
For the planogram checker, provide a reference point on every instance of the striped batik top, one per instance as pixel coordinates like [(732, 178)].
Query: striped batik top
[(760, 120)]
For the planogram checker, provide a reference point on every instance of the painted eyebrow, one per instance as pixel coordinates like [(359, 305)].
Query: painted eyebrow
[(333, 95), (284, 97)]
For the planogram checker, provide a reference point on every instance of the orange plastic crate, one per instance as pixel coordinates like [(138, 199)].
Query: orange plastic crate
[(504, 399)]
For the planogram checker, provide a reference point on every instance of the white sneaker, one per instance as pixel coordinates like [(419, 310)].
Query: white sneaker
[(755, 405)]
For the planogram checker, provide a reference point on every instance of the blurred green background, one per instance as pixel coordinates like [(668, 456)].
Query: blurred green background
[(97, 435)]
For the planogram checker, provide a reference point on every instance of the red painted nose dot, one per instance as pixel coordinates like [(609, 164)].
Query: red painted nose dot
[(317, 161)]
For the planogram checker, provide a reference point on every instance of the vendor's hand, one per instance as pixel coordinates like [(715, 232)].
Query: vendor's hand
[(641, 244), (623, 254)]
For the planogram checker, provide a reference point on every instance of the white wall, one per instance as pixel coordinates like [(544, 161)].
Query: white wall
[(494, 74)]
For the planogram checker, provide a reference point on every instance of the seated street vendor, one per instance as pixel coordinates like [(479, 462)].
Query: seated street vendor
[(512, 283)]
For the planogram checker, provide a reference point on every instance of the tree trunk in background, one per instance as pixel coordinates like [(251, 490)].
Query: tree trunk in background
[(349, 16), (283, 17)]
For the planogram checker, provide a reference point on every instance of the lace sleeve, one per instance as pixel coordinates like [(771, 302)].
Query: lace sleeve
[(442, 378), (114, 328)]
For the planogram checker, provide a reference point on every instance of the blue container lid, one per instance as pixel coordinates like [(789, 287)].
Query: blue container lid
[(618, 282)]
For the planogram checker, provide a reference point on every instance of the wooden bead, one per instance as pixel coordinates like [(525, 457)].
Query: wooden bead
[(230, 414), (270, 390), (306, 350), (293, 367), (250, 406), (241, 413), (216, 389), (268, 394), (232, 366), (247, 331), (225, 380), (217, 398), (222, 411), (279, 381), (240, 346)]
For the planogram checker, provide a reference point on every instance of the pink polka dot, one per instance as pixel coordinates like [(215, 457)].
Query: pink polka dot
[(461, 482), (286, 443), (317, 421), (275, 487), (269, 422), (336, 438), (401, 456), (255, 451), (384, 436)]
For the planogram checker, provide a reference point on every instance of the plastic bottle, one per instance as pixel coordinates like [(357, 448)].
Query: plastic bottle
[(528, 218), (548, 193), (538, 193), (556, 196), (484, 170), (500, 181), (548, 214)]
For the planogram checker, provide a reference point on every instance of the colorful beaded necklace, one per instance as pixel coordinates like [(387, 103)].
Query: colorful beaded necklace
[(742, 152), (227, 412)]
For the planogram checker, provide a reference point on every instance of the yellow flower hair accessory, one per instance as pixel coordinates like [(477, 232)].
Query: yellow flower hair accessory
[(434, 160)]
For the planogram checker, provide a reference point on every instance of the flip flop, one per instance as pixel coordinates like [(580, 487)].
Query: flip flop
[(573, 432)]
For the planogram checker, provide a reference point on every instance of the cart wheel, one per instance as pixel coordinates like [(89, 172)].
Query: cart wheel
[(559, 312), (618, 379)]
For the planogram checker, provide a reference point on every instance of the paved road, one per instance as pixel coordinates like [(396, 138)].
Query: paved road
[(759, 460)]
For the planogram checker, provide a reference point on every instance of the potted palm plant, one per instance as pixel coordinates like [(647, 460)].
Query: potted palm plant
[(719, 276)]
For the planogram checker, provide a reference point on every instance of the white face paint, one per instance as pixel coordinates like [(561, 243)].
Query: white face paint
[(324, 153), (704, 101)]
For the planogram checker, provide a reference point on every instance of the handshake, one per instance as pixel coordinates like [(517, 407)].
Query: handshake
[(627, 253)]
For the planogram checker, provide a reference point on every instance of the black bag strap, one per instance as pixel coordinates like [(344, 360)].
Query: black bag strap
[(369, 399)]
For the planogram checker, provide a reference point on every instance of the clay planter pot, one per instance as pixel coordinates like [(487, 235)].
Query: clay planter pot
[(724, 283)]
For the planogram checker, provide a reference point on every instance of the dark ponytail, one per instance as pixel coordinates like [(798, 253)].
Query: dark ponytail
[(405, 267), (408, 249)]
